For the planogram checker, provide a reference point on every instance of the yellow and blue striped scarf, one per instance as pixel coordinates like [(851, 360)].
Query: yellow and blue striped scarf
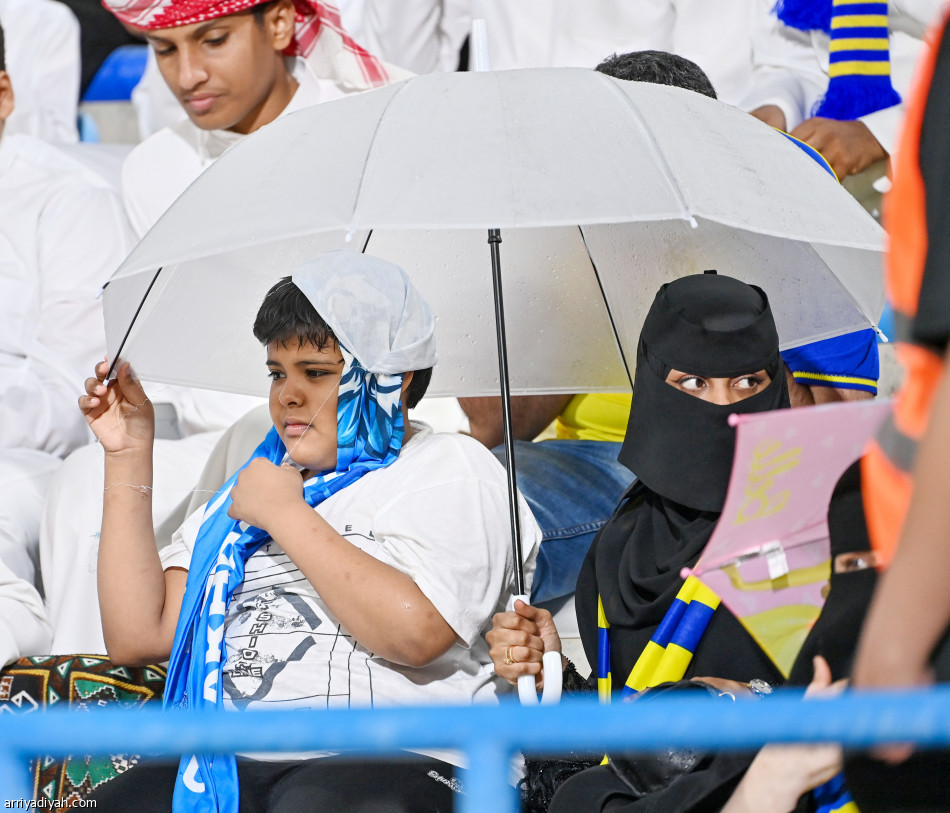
[(859, 53), (667, 655)]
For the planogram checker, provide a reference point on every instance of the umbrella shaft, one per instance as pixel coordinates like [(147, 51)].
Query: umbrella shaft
[(494, 240)]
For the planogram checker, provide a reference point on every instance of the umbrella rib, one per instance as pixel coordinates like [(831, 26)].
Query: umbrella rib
[(658, 153), (369, 151), (872, 319), (610, 316), (138, 310)]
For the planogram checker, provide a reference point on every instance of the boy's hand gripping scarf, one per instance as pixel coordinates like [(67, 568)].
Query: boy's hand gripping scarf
[(319, 35), (859, 67), (370, 431)]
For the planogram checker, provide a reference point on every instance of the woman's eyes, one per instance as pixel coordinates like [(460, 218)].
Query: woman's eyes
[(692, 382), (747, 382)]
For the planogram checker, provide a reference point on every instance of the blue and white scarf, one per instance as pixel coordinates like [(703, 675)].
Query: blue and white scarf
[(370, 431)]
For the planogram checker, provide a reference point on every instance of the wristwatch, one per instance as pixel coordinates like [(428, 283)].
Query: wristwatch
[(759, 687)]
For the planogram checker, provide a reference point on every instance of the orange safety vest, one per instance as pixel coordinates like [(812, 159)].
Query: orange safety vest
[(886, 468)]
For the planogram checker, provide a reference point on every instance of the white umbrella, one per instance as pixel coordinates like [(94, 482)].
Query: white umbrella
[(602, 190)]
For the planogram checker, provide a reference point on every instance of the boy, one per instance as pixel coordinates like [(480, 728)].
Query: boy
[(231, 74), (376, 555)]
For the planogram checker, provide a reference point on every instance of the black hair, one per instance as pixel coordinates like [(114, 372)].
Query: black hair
[(286, 316), (418, 386), (3, 52), (659, 68), (261, 9)]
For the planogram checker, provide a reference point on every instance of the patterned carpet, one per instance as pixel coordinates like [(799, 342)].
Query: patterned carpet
[(83, 682)]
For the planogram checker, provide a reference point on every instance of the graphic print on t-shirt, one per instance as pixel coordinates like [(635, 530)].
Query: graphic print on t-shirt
[(284, 646)]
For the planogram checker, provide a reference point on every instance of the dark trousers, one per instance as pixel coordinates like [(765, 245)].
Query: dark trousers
[(332, 784)]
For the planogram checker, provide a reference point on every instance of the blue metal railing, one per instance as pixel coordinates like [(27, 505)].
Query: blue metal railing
[(489, 735)]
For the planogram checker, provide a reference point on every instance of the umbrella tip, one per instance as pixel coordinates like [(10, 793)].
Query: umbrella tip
[(479, 46)]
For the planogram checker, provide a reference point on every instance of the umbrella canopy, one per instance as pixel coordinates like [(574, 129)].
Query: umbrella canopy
[(768, 558), (603, 190)]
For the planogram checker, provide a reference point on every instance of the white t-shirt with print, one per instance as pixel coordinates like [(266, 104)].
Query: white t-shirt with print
[(438, 514)]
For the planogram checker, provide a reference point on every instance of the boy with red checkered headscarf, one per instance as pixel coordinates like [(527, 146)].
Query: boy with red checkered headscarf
[(233, 66)]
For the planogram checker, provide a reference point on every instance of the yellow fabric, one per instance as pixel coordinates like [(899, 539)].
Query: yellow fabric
[(795, 578), (858, 44), (604, 683), (781, 631), (859, 21), (859, 68), (645, 667), (673, 665), (704, 595), (841, 379), (598, 416)]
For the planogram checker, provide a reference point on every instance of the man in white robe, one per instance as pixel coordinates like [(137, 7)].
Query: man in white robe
[(62, 233), (43, 58)]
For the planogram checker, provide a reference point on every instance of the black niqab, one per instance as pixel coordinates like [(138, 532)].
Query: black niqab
[(835, 632)]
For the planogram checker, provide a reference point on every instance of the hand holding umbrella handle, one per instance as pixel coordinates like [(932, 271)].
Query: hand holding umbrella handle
[(551, 693), (550, 668)]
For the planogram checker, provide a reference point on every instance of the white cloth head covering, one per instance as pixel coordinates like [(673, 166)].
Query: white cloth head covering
[(373, 309)]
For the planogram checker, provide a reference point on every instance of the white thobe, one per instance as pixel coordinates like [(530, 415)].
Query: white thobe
[(62, 233), (581, 33), (422, 36), (43, 60)]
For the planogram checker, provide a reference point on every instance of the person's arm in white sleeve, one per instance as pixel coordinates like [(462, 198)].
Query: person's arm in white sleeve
[(83, 236), (58, 88), (915, 17), (24, 629), (885, 125), (910, 20)]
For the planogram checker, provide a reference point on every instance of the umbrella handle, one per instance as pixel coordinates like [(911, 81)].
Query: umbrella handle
[(550, 667)]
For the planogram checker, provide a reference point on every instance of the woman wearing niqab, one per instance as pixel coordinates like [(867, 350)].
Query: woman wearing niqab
[(680, 445), (681, 448)]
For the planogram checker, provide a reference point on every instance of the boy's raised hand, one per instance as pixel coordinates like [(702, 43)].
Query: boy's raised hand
[(265, 493), (118, 412)]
